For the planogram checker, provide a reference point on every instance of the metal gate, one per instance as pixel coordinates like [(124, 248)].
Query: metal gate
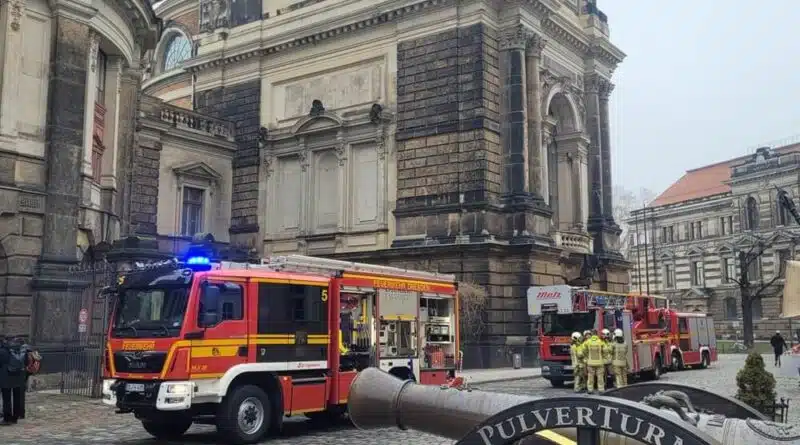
[(87, 317)]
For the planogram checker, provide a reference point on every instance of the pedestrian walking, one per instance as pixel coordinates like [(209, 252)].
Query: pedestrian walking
[(778, 346), (13, 375)]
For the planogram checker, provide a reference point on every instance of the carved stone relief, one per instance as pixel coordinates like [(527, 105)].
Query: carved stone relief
[(337, 90), (94, 48), (16, 9), (214, 14), (514, 38), (536, 44)]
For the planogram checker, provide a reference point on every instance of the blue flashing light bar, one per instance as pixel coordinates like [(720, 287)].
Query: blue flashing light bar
[(198, 261)]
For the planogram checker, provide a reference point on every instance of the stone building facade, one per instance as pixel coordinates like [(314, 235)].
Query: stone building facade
[(89, 161), (468, 137), (696, 229)]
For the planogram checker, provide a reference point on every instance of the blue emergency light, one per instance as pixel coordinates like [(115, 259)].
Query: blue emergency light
[(198, 261)]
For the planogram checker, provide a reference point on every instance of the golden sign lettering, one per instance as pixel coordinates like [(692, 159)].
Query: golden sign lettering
[(199, 368), (138, 345), (402, 285)]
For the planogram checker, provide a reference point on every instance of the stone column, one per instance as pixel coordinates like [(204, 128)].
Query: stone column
[(514, 105), (10, 63), (57, 286), (126, 145), (592, 88), (605, 90), (536, 155)]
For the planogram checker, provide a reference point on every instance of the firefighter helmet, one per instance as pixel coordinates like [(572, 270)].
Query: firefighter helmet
[(606, 333), (587, 333), (618, 333), (576, 336)]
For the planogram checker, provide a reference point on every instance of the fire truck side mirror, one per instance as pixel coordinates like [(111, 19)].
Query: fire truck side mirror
[(208, 319)]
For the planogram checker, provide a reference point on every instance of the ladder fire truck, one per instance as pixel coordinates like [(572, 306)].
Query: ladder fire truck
[(565, 309), (242, 345)]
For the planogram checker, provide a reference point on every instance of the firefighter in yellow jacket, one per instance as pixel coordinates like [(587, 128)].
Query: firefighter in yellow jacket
[(587, 334), (595, 350), (606, 337), (577, 356), (619, 362)]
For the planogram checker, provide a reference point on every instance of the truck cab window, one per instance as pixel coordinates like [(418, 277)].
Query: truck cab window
[(220, 302)]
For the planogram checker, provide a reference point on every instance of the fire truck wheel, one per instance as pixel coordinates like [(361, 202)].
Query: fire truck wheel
[(244, 415), (557, 383), (705, 360), (677, 361), (655, 374), (167, 429)]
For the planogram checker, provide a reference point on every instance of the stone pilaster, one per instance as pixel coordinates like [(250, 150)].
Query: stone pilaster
[(514, 110), (56, 287), (606, 88), (90, 99), (535, 147), (10, 64), (592, 89)]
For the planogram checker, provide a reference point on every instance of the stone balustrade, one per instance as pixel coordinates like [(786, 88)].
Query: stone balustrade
[(574, 241), (186, 119)]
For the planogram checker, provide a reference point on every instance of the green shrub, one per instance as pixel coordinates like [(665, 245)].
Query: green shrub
[(756, 385)]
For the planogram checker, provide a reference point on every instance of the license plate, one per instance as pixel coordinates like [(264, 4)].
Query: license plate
[(134, 387)]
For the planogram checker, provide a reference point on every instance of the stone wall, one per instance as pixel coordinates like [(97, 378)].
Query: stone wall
[(144, 196), (448, 142), (239, 104)]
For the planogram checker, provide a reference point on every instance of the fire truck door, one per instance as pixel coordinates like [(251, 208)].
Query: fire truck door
[(627, 333), (222, 318)]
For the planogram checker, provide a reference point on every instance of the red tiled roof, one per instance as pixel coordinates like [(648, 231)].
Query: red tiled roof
[(706, 181)]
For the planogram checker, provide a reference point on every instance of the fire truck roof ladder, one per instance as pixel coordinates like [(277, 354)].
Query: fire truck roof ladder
[(325, 266)]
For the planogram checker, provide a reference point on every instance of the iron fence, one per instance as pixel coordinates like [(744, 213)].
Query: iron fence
[(500, 356), (73, 364), (778, 411)]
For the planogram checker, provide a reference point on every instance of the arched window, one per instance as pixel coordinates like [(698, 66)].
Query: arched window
[(178, 49), (730, 309), (751, 213)]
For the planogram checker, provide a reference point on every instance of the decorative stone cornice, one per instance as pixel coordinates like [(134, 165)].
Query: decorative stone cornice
[(514, 38), (366, 21), (541, 8)]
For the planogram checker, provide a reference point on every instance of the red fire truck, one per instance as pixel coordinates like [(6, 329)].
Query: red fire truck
[(565, 309), (241, 346), (693, 341)]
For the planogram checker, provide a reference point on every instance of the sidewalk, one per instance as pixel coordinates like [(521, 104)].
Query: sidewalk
[(475, 376)]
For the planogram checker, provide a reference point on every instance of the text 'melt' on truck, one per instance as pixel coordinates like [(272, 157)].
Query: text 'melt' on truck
[(241, 346), (659, 338)]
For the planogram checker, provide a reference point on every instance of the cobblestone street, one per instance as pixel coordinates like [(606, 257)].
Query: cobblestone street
[(60, 420)]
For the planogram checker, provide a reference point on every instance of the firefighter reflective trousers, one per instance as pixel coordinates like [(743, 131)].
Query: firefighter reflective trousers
[(580, 378), (596, 380), (620, 376)]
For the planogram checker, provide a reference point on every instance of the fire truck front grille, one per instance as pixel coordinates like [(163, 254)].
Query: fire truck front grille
[(559, 350), (139, 362)]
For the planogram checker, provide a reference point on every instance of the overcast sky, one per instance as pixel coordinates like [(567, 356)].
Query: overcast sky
[(704, 81)]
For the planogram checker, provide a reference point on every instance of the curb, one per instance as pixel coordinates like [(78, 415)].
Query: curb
[(504, 379)]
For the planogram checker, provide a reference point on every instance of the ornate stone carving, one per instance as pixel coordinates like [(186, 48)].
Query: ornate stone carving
[(316, 108), (302, 157), (269, 162), (214, 14), (94, 48), (605, 88), (514, 38), (536, 44), (340, 153), (15, 10), (380, 142), (263, 136), (375, 113), (591, 83)]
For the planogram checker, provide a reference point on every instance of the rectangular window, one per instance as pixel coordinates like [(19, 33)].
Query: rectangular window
[(102, 65), (220, 302), (697, 273), (730, 225), (753, 267), (672, 234), (290, 308), (669, 276), (728, 270), (699, 230), (690, 235), (722, 227), (192, 214)]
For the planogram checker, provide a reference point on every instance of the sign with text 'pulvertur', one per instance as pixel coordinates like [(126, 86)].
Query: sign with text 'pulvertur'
[(629, 419)]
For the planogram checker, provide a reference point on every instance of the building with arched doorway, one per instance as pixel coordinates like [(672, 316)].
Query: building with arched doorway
[(465, 137)]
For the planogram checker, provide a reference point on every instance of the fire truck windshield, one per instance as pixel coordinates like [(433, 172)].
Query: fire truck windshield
[(565, 324), (150, 312)]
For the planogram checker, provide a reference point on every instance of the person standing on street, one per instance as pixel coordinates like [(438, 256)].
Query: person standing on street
[(778, 346), (576, 354), (595, 350), (12, 380), (619, 362)]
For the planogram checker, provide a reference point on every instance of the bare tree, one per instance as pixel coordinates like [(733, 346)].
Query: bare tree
[(472, 300), (752, 289)]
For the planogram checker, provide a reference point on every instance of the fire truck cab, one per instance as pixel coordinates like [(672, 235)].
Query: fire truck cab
[(563, 309), (241, 346)]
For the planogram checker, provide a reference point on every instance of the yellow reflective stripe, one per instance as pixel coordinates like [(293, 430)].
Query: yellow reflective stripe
[(556, 438)]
